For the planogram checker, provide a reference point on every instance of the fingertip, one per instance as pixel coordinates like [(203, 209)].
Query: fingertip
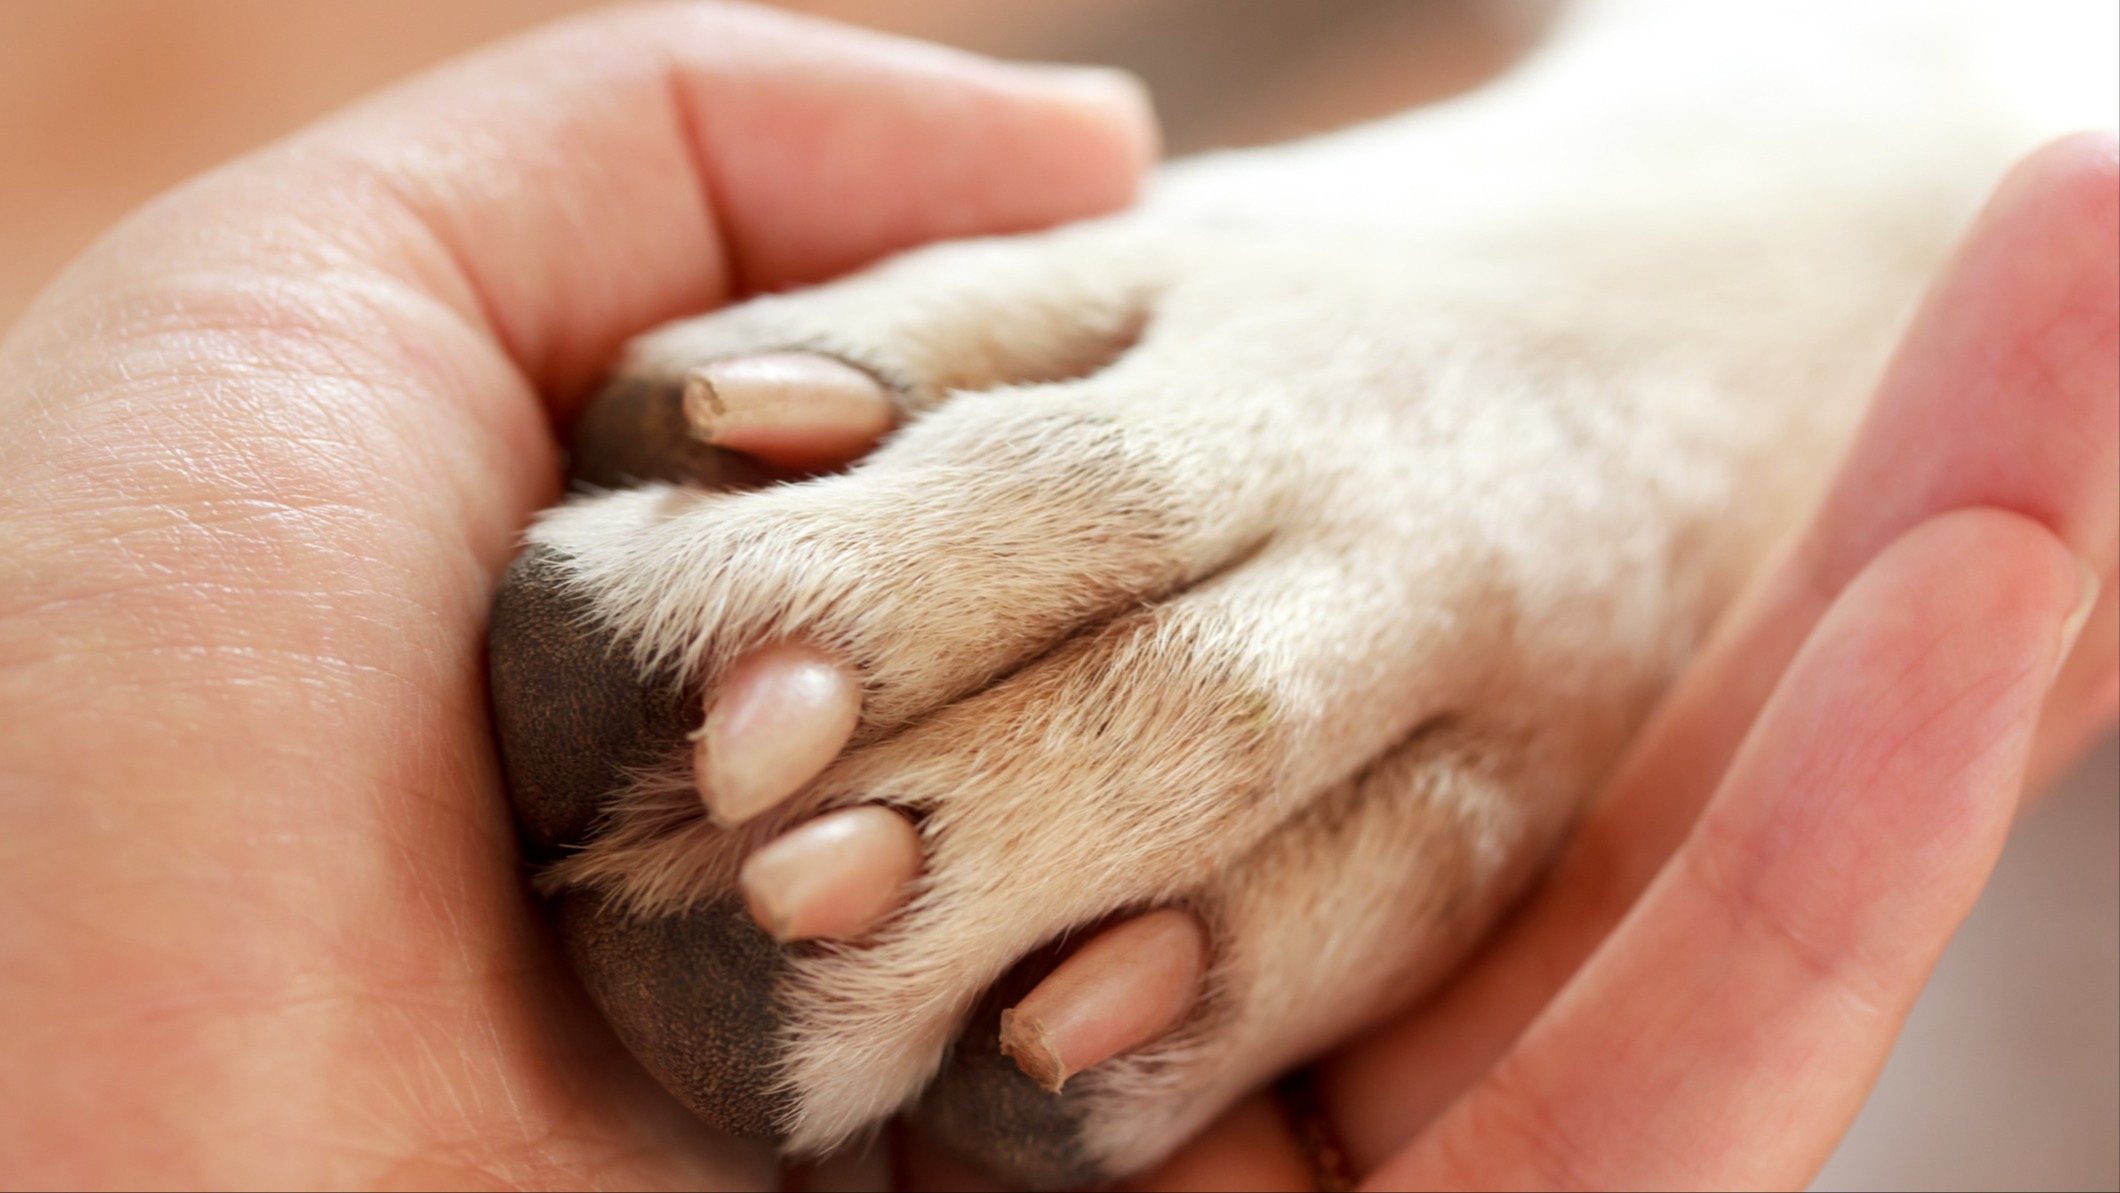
[(1994, 565), (2083, 164), (1115, 109), (2001, 393), (2049, 231)]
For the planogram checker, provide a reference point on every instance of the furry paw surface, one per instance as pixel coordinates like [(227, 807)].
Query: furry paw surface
[(1051, 685)]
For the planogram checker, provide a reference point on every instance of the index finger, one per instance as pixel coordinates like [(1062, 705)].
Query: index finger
[(578, 182)]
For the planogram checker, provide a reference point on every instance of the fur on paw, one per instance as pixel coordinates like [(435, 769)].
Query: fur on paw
[(1125, 644)]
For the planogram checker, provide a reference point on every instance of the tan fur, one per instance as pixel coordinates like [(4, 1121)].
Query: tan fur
[(1302, 546)]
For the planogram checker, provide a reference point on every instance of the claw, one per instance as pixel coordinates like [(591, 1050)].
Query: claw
[(1124, 988), (792, 409), (782, 714), (834, 877)]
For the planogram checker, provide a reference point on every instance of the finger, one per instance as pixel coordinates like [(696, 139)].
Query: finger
[(2039, 261), (2006, 394), (1726, 1035), (572, 186)]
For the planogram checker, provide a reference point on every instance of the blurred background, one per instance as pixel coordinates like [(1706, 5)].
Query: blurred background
[(2008, 1076)]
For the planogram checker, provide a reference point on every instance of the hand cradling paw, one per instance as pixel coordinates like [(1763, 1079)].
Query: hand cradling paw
[(1048, 687), (1053, 684)]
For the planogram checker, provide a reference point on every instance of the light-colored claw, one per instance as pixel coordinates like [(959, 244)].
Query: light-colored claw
[(1124, 988), (780, 716), (834, 877), (794, 409)]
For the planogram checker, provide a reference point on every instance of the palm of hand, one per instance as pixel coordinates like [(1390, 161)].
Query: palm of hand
[(305, 912)]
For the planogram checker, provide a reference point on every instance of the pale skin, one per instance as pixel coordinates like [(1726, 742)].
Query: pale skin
[(274, 439)]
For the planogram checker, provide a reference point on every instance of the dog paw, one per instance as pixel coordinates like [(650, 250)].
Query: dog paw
[(1126, 723), (1051, 685)]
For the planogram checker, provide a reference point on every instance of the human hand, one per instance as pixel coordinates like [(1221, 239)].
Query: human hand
[(270, 443), (1702, 991)]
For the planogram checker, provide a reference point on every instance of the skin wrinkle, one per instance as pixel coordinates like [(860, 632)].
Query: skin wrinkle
[(473, 307), (1734, 864), (267, 465), (263, 301), (198, 604), (690, 139), (358, 536), (1747, 912), (1530, 1132)]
